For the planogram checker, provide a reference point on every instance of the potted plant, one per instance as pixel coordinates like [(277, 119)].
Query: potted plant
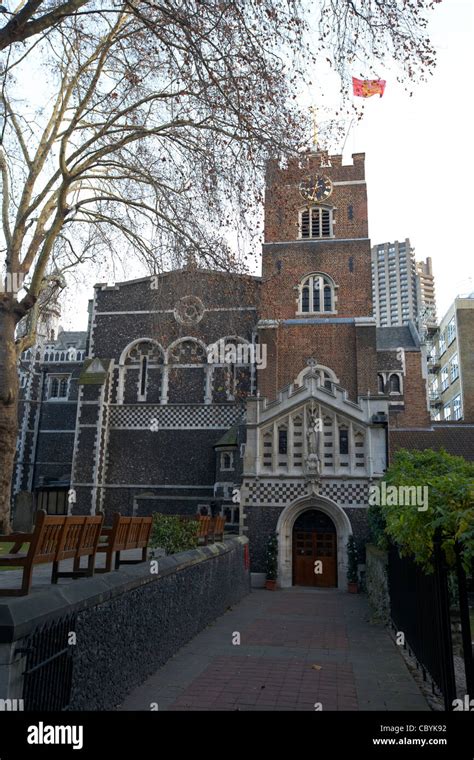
[(352, 561), (271, 563)]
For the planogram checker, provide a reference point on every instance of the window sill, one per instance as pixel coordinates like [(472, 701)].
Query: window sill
[(315, 313), (312, 239)]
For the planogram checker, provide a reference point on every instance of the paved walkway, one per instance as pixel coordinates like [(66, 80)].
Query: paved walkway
[(298, 647)]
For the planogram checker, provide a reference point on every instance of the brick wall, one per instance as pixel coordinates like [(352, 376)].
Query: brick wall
[(284, 266), (283, 199), (415, 413)]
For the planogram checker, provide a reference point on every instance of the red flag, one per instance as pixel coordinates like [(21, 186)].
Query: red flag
[(365, 88)]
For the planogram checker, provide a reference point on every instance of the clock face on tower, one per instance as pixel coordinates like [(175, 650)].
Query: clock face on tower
[(316, 188)]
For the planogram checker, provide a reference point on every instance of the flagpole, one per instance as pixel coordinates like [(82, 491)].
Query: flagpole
[(315, 127), (347, 135)]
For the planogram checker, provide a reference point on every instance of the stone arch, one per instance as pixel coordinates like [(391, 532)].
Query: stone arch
[(189, 371), (284, 531), (146, 372), (231, 381), (320, 369), (126, 351)]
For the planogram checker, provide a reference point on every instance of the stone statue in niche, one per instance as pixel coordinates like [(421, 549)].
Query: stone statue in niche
[(312, 460)]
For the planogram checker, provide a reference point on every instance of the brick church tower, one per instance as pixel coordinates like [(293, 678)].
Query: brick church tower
[(317, 273), (317, 432)]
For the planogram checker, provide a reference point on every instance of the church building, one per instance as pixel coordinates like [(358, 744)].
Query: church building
[(267, 399)]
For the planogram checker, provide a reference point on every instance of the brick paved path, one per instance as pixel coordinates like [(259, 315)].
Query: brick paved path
[(298, 647)]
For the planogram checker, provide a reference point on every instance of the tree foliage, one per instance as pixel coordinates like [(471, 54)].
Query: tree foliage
[(450, 483)]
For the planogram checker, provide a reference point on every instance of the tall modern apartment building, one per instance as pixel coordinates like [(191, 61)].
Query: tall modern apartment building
[(451, 363), (425, 292), (402, 289)]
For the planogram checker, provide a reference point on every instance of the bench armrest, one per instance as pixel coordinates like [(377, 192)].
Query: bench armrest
[(13, 538)]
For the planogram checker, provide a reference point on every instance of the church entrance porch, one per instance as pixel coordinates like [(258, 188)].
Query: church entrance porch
[(313, 529), (314, 550)]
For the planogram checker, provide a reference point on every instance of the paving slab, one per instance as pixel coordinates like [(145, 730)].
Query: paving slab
[(300, 650)]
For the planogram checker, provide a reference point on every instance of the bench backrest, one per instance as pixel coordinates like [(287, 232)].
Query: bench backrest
[(46, 538), (139, 532), (204, 525), (219, 525), (80, 536), (90, 535), (130, 532)]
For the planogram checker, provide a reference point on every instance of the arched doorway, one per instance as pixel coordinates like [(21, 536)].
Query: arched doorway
[(285, 525), (314, 550)]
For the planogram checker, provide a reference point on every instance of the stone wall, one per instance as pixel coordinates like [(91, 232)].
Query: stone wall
[(377, 583), (127, 623)]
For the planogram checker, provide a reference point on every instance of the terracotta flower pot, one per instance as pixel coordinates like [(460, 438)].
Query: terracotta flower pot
[(270, 585), (353, 587)]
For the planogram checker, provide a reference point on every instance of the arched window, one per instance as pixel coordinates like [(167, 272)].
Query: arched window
[(316, 222), (394, 383), (327, 376), (54, 388), (381, 383), (317, 295), (141, 373), (227, 460)]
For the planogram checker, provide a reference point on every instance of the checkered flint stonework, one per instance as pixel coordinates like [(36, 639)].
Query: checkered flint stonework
[(282, 493), (175, 417)]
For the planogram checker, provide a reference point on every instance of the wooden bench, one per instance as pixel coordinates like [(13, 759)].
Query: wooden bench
[(126, 533), (79, 538), (203, 530), (218, 528), (55, 538)]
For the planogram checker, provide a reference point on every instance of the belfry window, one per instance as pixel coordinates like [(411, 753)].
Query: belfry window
[(316, 222), (317, 295)]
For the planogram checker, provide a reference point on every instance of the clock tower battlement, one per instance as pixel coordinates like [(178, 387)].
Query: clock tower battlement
[(315, 197)]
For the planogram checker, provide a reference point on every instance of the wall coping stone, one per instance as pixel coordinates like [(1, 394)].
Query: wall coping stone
[(19, 616)]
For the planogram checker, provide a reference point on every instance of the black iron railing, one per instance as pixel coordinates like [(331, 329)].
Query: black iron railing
[(420, 610), (49, 664)]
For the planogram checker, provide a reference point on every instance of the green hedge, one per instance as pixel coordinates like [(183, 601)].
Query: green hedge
[(173, 534)]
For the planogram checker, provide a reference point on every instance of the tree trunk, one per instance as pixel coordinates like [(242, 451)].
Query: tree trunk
[(8, 409)]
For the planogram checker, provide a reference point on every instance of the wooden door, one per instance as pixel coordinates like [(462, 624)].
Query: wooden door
[(310, 548)]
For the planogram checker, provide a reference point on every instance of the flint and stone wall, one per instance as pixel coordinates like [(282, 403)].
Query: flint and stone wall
[(127, 623)]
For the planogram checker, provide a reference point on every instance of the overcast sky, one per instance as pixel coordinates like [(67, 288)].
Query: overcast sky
[(419, 157), (418, 160)]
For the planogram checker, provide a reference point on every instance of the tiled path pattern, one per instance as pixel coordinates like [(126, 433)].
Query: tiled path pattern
[(300, 649)]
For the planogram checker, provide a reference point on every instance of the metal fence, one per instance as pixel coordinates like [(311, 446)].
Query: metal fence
[(49, 665), (420, 609)]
